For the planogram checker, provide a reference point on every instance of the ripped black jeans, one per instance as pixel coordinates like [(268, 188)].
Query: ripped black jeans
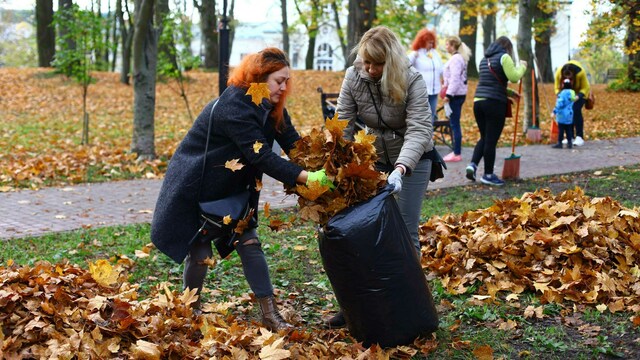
[(254, 264)]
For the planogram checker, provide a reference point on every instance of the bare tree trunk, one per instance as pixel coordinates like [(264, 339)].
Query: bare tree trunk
[(525, 53), (488, 30), (543, 46), (285, 27), (145, 54), (46, 35), (209, 32), (114, 38), (343, 45), (65, 5), (632, 40), (470, 21), (420, 7), (362, 13), (126, 33), (162, 10)]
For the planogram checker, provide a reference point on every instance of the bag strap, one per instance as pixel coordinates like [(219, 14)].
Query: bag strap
[(206, 148), (380, 119), (494, 73)]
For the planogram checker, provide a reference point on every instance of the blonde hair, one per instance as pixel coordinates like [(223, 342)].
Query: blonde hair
[(460, 47), (380, 45)]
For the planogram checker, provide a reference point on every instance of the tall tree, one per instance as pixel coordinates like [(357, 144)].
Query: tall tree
[(166, 49), (208, 31), (65, 5), (310, 17), (362, 13), (544, 27), (525, 9), (285, 26), (468, 35), (45, 32), (339, 30), (488, 29), (404, 17), (126, 37), (622, 20), (145, 54)]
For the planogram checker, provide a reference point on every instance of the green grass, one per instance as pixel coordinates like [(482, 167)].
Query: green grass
[(297, 273)]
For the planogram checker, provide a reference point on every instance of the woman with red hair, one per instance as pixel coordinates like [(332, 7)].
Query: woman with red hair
[(426, 59), (229, 128)]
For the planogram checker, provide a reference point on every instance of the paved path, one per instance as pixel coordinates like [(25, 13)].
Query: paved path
[(28, 212)]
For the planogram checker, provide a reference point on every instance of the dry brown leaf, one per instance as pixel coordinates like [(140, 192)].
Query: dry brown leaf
[(233, 165)]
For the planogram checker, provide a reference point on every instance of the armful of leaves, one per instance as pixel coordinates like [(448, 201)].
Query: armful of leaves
[(349, 164)]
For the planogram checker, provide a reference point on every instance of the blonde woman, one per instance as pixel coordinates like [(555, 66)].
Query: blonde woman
[(455, 86), (391, 97)]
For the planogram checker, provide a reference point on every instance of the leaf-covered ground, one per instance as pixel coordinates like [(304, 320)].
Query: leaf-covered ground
[(41, 118), (567, 249)]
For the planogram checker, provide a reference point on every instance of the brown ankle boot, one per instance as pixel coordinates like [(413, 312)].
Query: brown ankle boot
[(271, 318)]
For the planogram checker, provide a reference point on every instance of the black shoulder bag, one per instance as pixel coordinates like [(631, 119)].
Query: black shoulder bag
[(437, 163), (213, 213)]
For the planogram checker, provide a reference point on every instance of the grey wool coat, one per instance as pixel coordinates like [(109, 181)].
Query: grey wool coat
[(237, 124), (412, 118)]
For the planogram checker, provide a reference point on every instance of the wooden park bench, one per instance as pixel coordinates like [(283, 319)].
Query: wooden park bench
[(612, 74), (441, 128)]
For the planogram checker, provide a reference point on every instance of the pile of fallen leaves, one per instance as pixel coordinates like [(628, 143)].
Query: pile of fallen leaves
[(566, 248), (62, 311), (349, 164)]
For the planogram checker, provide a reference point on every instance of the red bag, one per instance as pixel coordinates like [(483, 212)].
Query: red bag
[(443, 92), (591, 101), (509, 108)]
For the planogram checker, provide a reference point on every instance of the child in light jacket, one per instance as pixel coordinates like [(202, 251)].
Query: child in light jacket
[(564, 114)]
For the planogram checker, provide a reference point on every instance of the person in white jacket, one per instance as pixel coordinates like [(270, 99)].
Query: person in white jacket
[(427, 60)]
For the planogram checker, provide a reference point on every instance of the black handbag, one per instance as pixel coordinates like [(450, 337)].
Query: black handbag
[(214, 212)]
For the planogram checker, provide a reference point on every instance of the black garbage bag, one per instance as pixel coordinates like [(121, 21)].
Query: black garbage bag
[(374, 270)]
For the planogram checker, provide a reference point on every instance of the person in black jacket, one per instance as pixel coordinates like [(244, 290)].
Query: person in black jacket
[(237, 125), (490, 105)]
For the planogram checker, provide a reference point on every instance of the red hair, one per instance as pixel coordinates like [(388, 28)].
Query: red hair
[(422, 38), (256, 68)]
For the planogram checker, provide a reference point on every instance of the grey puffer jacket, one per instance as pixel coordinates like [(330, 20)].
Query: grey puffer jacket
[(411, 119)]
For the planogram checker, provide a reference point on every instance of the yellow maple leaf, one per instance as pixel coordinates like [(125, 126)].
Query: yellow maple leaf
[(588, 211), (256, 147), (258, 91), (227, 219), (267, 207), (361, 137), (233, 165), (335, 125), (189, 296), (103, 273), (275, 351)]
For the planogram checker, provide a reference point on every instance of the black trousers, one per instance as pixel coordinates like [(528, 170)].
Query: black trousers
[(490, 118)]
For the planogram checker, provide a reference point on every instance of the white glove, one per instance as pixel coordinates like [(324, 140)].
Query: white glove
[(395, 179), (523, 63), (447, 109)]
